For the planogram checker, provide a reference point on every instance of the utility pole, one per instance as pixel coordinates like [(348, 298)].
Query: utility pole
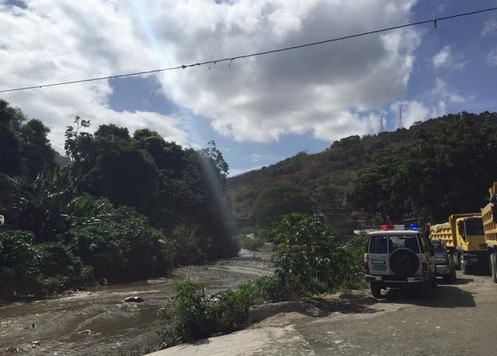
[(401, 122)]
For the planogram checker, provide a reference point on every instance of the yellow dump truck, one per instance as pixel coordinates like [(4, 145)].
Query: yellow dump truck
[(489, 217), (464, 237)]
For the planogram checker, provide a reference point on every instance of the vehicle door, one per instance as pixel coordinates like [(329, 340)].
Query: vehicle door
[(378, 255)]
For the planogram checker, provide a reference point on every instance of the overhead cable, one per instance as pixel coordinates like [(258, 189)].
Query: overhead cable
[(434, 21)]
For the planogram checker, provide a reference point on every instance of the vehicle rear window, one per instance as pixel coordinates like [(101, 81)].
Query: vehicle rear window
[(389, 243), (378, 244), (439, 248), (405, 241)]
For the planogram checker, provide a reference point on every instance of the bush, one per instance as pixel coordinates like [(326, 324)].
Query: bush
[(271, 289), (251, 242), (193, 316), (120, 245), (307, 256)]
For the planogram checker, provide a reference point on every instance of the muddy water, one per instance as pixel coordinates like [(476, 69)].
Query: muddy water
[(100, 322)]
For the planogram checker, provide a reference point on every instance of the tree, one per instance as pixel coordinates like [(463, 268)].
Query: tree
[(277, 200), (10, 122), (124, 174), (36, 150)]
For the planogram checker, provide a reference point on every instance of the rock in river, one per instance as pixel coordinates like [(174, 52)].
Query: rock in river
[(134, 299)]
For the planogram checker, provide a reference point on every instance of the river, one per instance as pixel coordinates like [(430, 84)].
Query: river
[(100, 322)]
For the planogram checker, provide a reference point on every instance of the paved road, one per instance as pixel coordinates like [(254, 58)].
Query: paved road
[(458, 319)]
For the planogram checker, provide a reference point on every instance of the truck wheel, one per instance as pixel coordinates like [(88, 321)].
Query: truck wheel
[(453, 276), (465, 269), (375, 290), (457, 261), (493, 266)]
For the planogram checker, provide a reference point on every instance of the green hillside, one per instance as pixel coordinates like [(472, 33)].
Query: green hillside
[(433, 168)]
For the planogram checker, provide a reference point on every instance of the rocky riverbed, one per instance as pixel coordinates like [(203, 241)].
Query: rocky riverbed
[(100, 321)]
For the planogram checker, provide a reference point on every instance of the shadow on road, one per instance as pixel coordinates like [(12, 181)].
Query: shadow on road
[(444, 296), (345, 303), (461, 280)]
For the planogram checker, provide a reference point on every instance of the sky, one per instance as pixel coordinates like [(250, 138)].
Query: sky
[(261, 109)]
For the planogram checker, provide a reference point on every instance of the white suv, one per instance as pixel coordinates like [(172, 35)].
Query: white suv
[(399, 259)]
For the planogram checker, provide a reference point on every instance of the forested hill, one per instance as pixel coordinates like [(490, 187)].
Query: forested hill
[(434, 168)]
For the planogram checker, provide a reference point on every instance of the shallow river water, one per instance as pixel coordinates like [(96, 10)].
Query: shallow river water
[(100, 322)]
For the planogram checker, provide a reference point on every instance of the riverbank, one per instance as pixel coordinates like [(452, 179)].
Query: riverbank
[(99, 321)]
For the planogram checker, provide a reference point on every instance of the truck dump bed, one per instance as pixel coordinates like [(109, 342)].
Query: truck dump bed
[(487, 213), (443, 232)]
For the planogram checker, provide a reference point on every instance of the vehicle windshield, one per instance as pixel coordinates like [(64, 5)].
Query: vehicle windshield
[(474, 226), (389, 243), (439, 247)]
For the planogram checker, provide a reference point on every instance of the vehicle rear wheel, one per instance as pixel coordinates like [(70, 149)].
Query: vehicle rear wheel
[(465, 269), (375, 290), (493, 266)]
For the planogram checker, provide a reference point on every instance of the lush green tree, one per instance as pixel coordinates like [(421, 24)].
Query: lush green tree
[(112, 133), (118, 243), (10, 122), (438, 172), (277, 200), (36, 151), (124, 174)]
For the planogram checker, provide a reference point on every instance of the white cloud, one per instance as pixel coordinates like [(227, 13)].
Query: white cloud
[(306, 90), (492, 57), (45, 44), (490, 27), (322, 89), (442, 57), (442, 91), (446, 58)]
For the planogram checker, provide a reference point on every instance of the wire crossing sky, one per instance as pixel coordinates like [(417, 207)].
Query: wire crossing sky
[(433, 21), (370, 61)]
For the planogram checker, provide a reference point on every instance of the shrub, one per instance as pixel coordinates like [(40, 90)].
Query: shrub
[(307, 256), (194, 316), (187, 319), (271, 289), (120, 245), (251, 242)]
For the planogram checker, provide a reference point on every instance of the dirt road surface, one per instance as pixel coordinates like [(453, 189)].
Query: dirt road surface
[(458, 319)]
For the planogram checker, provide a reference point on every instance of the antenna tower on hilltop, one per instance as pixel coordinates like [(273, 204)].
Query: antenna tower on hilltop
[(382, 123), (401, 122)]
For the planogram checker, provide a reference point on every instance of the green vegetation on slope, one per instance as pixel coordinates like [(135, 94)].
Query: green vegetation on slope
[(434, 168), (123, 208)]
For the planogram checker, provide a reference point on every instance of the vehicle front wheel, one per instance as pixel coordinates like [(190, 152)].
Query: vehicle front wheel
[(376, 290)]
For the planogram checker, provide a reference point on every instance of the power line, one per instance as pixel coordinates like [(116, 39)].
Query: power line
[(433, 21)]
